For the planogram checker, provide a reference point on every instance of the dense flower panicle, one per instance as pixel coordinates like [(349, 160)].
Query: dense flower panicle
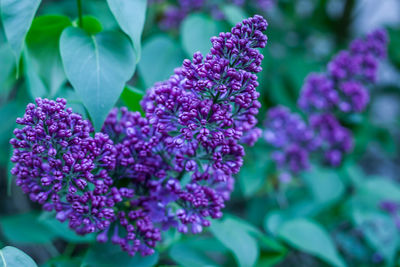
[(142, 175), (335, 140), (291, 137), (204, 112), (207, 106), (344, 86), (135, 141), (55, 161)]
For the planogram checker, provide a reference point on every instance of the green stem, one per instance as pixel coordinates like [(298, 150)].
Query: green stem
[(80, 20)]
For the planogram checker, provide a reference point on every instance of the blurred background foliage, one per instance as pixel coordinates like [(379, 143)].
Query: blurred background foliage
[(323, 217)]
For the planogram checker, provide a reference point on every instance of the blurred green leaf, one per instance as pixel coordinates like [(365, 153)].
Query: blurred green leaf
[(243, 246), (380, 232), (9, 113), (43, 62), (303, 208), (35, 84), (6, 67), (381, 188), (25, 228), (13, 257), (394, 44), (270, 260), (130, 15), (233, 13), (206, 244), (161, 55), (98, 68), (105, 255), (73, 100), (9, 168), (311, 238), (17, 16), (131, 97), (62, 229), (196, 32), (187, 256), (254, 173), (242, 224), (325, 184), (63, 261)]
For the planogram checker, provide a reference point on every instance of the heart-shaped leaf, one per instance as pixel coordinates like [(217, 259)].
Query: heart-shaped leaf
[(236, 237), (11, 256), (17, 16), (98, 67), (161, 55), (233, 14), (311, 238), (104, 255), (17, 229), (43, 54), (196, 31), (130, 15)]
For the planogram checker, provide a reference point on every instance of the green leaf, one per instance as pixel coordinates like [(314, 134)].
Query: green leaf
[(73, 100), (381, 188), (98, 68), (130, 15), (380, 232), (161, 55), (187, 256), (303, 208), (13, 257), (90, 24), (34, 83), (63, 261), (234, 14), (105, 255), (6, 67), (131, 97), (325, 185), (61, 229), (196, 31), (25, 228), (17, 16), (9, 167), (243, 246), (254, 173), (311, 238), (43, 54)]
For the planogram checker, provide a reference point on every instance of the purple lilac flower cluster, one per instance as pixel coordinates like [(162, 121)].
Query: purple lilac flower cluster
[(174, 14), (343, 88), (292, 138), (142, 175)]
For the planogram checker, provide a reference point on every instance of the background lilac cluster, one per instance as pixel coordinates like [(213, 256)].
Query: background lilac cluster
[(341, 90), (174, 14), (142, 175)]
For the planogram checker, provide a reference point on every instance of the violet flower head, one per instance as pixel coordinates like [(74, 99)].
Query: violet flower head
[(335, 140), (142, 175), (291, 137), (344, 86), (55, 161), (204, 113), (211, 102)]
